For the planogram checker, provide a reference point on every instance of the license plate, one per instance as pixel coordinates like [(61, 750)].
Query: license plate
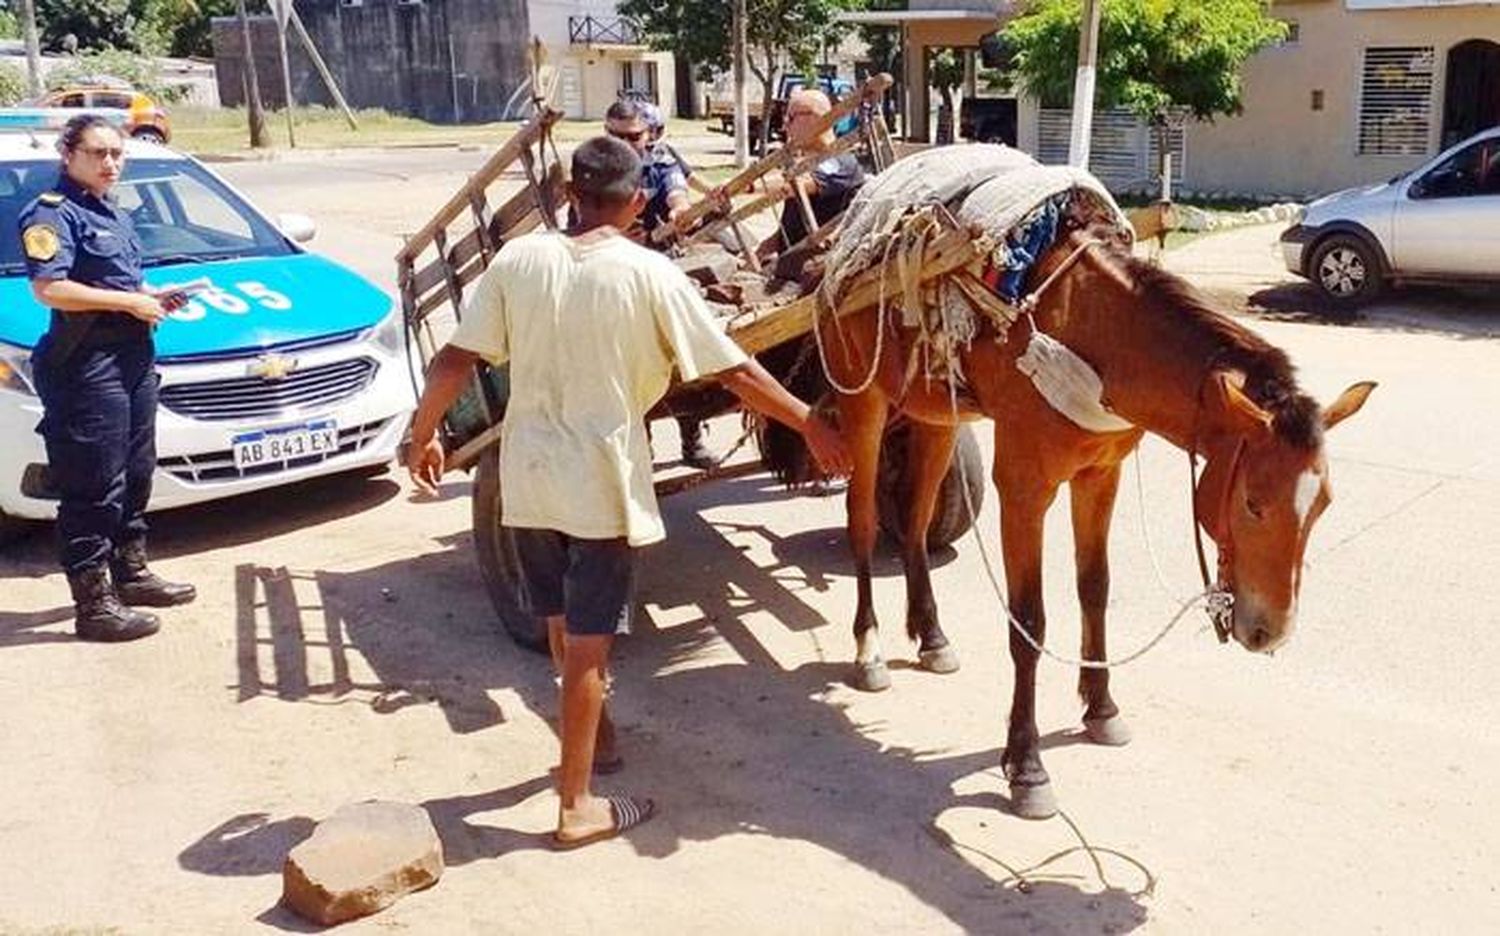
[(289, 443)]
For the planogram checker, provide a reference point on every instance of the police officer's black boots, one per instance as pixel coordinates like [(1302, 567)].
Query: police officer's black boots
[(138, 585), (694, 452), (100, 616)]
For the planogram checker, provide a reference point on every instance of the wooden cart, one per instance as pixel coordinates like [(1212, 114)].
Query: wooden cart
[(446, 257)]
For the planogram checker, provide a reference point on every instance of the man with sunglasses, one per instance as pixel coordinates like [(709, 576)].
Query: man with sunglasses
[(663, 181), (829, 188)]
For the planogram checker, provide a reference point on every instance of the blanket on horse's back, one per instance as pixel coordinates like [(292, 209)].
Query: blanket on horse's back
[(1022, 206), (993, 188)]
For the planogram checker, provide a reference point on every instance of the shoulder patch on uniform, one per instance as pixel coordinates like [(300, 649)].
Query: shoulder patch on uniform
[(52, 198), (40, 241)]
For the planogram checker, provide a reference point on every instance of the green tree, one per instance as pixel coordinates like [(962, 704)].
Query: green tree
[(193, 34), (69, 25), (12, 84), (1157, 58), (794, 31), (138, 70)]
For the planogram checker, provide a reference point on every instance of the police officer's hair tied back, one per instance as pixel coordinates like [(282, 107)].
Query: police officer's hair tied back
[(72, 132), (605, 170)]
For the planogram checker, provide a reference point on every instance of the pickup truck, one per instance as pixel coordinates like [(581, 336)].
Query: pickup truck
[(721, 105)]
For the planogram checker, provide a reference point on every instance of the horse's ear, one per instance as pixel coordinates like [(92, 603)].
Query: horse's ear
[(1239, 411), (1348, 403)]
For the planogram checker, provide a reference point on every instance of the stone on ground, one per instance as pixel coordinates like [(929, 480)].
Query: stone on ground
[(360, 860)]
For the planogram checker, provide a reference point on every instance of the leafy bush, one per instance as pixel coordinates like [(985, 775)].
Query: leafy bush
[(138, 70), (12, 84), (70, 25)]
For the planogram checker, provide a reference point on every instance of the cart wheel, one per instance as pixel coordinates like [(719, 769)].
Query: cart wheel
[(497, 558), (950, 518)]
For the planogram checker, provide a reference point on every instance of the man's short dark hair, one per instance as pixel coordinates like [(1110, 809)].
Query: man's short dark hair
[(606, 170), (626, 111)]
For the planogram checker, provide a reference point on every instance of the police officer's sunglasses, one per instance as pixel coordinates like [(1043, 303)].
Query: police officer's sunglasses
[(629, 136), (116, 153)]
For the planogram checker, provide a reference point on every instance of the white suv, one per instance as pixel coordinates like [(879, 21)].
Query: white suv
[(1440, 223)]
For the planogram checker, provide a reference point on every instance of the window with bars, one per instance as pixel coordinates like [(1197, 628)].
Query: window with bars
[(1122, 147), (1395, 100)]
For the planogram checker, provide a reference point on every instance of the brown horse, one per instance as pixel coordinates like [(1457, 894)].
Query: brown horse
[(1170, 365)]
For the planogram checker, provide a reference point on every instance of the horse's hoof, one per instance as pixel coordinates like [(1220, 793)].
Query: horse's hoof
[(941, 660), (1033, 802), (871, 677), (1111, 732)]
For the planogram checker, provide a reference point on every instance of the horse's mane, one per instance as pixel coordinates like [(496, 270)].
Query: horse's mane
[(1270, 378)]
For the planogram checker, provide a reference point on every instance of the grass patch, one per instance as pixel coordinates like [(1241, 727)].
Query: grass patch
[(223, 130)]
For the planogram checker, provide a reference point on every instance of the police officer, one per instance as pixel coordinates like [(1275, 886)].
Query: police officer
[(664, 181), (95, 373)]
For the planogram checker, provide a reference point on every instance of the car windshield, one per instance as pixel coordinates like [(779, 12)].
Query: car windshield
[(181, 212)]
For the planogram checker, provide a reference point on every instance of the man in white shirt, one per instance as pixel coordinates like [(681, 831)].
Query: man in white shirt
[(593, 326)]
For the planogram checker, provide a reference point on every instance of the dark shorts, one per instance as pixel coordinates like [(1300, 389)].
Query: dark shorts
[(589, 581)]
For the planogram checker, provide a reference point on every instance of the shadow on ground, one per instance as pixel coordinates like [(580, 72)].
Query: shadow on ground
[(742, 749), (234, 521), (1471, 312)]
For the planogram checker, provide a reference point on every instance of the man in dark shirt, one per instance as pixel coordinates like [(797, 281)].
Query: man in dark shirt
[(829, 187), (663, 181)]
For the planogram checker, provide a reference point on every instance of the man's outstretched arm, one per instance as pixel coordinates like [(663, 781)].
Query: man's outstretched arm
[(758, 390), (447, 376)]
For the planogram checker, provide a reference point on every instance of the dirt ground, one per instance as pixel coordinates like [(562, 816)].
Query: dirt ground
[(342, 649)]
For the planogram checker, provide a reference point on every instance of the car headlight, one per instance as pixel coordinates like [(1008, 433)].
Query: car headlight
[(390, 334), (15, 369)]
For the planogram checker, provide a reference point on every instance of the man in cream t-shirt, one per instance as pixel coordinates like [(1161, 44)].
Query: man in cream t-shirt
[(593, 326)]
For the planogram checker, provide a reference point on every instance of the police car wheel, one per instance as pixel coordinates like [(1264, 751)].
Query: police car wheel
[(950, 516), (497, 558)]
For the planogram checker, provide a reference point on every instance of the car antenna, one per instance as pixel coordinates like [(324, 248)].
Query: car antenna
[(35, 143)]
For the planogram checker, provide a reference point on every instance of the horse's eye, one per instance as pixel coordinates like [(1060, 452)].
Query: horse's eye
[(1253, 508)]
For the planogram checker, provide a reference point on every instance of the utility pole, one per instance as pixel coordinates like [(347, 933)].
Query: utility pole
[(33, 49), (322, 67), (1083, 85), (741, 105), (253, 106), (282, 10)]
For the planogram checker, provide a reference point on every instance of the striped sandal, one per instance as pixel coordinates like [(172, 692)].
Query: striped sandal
[(628, 813)]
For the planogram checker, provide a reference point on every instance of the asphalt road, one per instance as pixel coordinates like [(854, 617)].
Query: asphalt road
[(342, 649)]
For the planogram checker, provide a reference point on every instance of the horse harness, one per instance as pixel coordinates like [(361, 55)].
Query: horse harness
[(1220, 591)]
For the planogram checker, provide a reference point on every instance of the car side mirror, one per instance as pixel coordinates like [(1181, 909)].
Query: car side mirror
[(297, 227)]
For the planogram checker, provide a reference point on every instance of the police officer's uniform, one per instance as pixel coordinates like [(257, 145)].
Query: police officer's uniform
[(96, 375)]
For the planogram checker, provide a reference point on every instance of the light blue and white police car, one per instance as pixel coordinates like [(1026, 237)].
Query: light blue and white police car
[(288, 366)]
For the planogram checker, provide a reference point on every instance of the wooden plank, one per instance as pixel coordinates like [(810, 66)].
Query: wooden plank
[(516, 217), (768, 328), (767, 202), (871, 88), (529, 134), (474, 269)]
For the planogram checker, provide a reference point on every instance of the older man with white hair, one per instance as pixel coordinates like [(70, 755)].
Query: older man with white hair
[(829, 187)]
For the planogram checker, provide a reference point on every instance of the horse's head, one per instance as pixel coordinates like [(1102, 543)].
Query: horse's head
[(1264, 486)]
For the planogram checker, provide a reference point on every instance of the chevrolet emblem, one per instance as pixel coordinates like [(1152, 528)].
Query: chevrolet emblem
[(272, 367)]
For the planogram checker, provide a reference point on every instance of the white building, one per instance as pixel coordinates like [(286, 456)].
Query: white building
[(593, 55)]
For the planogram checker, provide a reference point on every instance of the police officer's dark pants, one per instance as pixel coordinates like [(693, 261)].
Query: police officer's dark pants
[(100, 430)]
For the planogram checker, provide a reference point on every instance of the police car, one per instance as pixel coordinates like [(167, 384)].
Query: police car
[(285, 366)]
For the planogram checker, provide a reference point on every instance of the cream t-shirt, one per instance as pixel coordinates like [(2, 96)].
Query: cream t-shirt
[(592, 332)]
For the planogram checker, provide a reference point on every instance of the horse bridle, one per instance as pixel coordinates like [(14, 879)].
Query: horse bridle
[(1220, 591)]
